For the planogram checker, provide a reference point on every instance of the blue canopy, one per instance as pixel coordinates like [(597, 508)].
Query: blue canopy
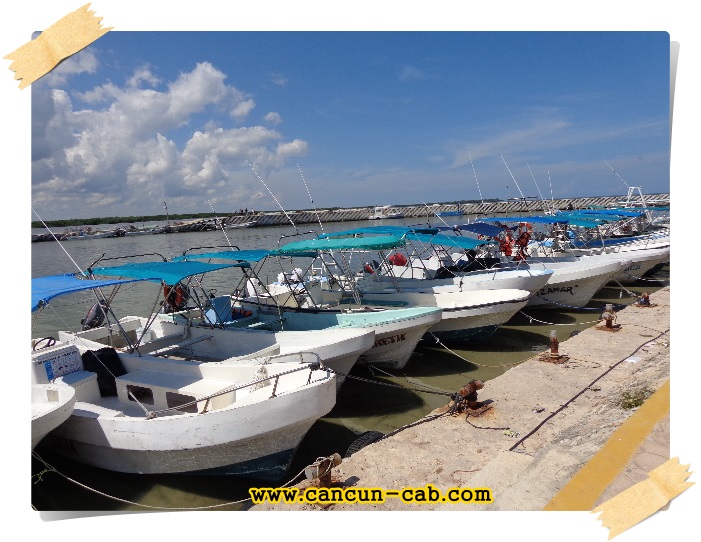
[(168, 272), (535, 218), (46, 288), (397, 231), (455, 241), (480, 228), (348, 243), (614, 212)]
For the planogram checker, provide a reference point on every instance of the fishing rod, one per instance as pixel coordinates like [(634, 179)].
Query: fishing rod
[(475, 174), (617, 175), (436, 215), (514, 179), (310, 198), (103, 302), (223, 229), (273, 196), (59, 242), (537, 187)]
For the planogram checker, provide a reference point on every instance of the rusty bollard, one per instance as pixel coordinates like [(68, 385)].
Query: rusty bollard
[(554, 344), (321, 469)]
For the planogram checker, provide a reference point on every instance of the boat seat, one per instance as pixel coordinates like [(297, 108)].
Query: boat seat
[(178, 346), (91, 410), (158, 390)]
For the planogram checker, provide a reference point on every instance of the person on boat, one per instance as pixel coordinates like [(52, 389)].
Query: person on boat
[(506, 243), (525, 230), (644, 299)]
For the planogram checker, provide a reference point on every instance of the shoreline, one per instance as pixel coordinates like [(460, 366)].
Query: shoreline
[(525, 456)]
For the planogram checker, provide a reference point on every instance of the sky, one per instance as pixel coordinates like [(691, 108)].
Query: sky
[(361, 126), (221, 121)]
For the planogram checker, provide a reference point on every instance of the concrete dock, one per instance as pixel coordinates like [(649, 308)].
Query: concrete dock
[(545, 420)]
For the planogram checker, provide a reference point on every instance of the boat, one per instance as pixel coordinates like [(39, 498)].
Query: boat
[(184, 325), (572, 282), (52, 404), (385, 212), (148, 413), (466, 315), (295, 307), (248, 224)]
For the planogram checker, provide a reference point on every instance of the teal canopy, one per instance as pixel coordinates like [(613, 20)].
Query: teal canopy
[(351, 243), (167, 272), (396, 231), (233, 255), (46, 288)]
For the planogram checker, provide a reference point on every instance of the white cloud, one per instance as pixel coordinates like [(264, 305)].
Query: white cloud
[(121, 156), (278, 79), (273, 118)]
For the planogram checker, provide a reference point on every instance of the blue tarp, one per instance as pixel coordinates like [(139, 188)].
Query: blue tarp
[(46, 288), (168, 272)]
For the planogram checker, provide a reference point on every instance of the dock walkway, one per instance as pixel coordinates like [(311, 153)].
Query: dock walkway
[(526, 455)]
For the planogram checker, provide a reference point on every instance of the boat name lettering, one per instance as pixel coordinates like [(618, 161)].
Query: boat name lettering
[(389, 340), (557, 289)]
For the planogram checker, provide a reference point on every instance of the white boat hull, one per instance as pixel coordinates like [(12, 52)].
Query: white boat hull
[(52, 404), (159, 415), (254, 439), (472, 315), (573, 284)]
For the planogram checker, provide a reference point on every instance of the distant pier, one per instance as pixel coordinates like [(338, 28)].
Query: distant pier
[(428, 212)]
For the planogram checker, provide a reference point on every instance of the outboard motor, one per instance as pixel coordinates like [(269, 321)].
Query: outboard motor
[(95, 316)]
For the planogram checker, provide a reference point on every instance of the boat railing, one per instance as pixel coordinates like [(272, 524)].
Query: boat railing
[(255, 384)]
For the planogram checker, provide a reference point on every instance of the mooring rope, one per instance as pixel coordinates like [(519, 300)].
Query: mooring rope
[(50, 468), (438, 341), (532, 319), (397, 386)]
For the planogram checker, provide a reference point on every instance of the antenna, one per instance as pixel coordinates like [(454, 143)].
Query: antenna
[(273, 196)]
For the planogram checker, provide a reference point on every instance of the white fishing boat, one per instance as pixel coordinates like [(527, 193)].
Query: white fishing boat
[(182, 327), (150, 413), (572, 282), (385, 212), (466, 315), (299, 307), (52, 404)]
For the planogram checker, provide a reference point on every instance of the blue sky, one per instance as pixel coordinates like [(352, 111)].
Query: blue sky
[(207, 120)]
